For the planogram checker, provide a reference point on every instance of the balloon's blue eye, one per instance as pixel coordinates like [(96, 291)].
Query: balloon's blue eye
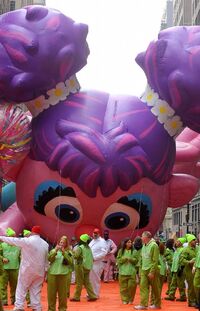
[(58, 202)]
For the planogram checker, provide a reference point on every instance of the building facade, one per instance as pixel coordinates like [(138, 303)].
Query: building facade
[(4, 6), (167, 19), (11, 5), (186, 12), (195, 12), (186, 219), (182, 12)]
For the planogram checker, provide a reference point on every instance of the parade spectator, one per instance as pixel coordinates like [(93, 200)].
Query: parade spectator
[(177, 273), (149, 273), (109, 259), (61, 260), (99, 251), (127, 259), (83, 264), (11, 261), (187, 260), (34, 263)]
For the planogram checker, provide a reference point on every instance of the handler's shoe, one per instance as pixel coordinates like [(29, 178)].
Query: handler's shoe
[(154, 307), (4, 303), (192, 304), (91, 299), (139, 307), (169, 298), (73, 299), (181, 299)]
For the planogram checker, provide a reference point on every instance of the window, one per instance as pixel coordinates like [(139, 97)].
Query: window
[(12, 5)]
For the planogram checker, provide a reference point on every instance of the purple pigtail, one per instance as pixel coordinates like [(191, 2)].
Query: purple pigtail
[(39, 47), (172, 67)]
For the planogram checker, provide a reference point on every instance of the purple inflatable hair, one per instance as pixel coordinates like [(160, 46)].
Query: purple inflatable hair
[(172, 67), (98, 140), (39, 47)]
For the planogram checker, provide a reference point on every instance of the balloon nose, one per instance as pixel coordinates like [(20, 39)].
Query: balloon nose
[(85, 229)]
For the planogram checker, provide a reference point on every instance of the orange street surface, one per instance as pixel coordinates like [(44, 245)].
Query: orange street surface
[(109, 301)]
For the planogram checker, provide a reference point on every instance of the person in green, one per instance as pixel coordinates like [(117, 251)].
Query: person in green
[(196, 271), (187, 260), (137, 245), (61, 260), (162, 265), (169, 253), (149, 273), (162, 269), (11, 262), (83, 264), (178, 279), (127, 259), (1, 272)]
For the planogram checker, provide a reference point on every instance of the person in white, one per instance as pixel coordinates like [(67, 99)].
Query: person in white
[(33, 266), (99, 251), (109, 259)]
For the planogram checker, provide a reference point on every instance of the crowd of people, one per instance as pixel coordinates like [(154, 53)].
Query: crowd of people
[(26, 262)]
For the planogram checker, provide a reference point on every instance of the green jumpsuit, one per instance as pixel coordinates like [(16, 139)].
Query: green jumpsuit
[(162, 270), (187, 259), (169, 253), (83, 264), (1, 272), (177, 277), (60, 267), (197, 277), (127, 262), (149, 264), (10, 273)]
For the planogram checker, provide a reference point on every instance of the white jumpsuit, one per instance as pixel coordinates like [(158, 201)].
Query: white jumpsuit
[(99, 251), (34, 263)]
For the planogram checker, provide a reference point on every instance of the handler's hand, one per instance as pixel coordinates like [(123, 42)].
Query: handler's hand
[(5, 260), (151, 276)]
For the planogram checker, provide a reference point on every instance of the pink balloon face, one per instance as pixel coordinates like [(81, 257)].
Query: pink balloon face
[(60, 207)]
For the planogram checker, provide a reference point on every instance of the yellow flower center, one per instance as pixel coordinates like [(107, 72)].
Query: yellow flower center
[(174, 124), (149, 96), (162, 109), (58, 92), (38, 104), (72, 83)]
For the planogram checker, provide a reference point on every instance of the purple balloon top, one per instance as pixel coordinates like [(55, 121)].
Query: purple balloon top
[(96, 139), (39, 47), (172, 68)]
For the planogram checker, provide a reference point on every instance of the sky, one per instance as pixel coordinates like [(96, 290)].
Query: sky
[(118, 31)]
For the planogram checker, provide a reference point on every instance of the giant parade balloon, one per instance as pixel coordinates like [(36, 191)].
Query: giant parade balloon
[(97, 159)]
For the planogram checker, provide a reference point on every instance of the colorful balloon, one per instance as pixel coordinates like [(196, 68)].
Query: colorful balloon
[(15, 136)]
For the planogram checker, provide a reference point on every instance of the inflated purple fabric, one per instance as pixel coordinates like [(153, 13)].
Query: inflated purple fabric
[(39, 47), (172, 68), (94, 138)]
